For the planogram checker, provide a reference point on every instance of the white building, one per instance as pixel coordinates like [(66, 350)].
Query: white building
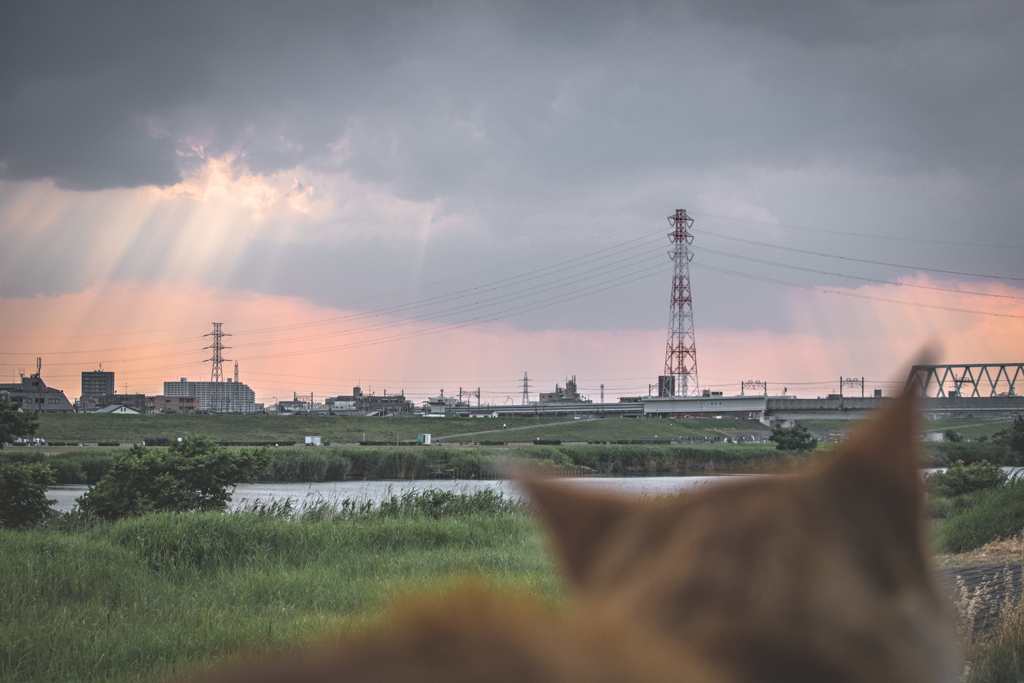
[(217, 397)]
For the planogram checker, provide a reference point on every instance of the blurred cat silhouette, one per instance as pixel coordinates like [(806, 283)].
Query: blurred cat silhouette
[(817, 576)]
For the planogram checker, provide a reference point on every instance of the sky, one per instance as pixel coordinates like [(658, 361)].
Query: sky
[(424, 196)]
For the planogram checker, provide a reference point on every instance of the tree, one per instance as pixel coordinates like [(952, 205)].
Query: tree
[(23, 488), (958, 479), (796, 438), (23, 485), (952, 436), (192, 474), (15, 424), (1013, 436)]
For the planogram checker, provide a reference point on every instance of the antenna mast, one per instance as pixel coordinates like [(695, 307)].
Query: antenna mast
[(681, 349)]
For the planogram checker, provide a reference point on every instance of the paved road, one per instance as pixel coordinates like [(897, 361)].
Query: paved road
[(516, 429)]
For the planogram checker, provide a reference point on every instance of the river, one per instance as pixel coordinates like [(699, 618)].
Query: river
[(361, 491)]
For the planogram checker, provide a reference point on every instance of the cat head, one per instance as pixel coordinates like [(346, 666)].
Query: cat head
[(820, 575)]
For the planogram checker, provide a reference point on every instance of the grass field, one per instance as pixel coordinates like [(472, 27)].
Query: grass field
[(160, 594), (626, 429), (88, 428), (164, 594), (76, 428), (969, 428)]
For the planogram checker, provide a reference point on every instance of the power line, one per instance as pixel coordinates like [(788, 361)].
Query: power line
[(857, 277), (859, 234), (544, 303), (854, 294), (851, 258)]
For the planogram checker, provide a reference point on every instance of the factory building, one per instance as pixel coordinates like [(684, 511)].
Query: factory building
[(215, 397), (388, 404), (344, 405), (567, 395)]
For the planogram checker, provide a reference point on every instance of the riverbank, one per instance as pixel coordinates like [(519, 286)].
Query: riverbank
[(347, 463), (161, 594), (76, 428)]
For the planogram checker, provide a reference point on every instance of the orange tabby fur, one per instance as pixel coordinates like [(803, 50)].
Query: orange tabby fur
[(821, 576)]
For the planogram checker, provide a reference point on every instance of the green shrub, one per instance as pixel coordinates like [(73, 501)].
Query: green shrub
[(796, 438), (943, 454), (952, 436), (945, 508), (193, 474), (958, 479), (997, 513), (23, 488)]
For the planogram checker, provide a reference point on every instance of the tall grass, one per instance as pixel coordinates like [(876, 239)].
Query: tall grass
[(157, 594), (993, 651), (338, 463)]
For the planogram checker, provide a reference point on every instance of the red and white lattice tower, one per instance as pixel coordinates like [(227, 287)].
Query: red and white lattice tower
[(681, 350)]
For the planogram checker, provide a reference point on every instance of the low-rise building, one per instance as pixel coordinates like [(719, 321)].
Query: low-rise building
[(116, 410), (34, 396), (344, 405), (387, 404), (184, 405), (92, 404), (567, 395)]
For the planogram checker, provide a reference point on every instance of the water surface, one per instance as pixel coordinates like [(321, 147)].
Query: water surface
[(360, 491)]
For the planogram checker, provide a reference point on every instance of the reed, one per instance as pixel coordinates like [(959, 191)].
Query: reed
[(993, 650), (158, 594)]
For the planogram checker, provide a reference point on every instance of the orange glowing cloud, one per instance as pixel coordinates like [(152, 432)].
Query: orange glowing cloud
[(151, 332)]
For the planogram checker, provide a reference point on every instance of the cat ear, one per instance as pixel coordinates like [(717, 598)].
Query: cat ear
[(881, 463), (577, 521)]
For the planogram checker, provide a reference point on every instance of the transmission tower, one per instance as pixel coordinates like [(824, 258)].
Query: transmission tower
[(217, 372), (681, 350), (526, 390)]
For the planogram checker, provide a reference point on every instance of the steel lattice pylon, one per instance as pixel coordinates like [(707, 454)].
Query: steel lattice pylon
[(681, 350), (217, 372)]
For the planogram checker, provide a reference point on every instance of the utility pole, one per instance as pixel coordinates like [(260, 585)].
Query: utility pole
[(526, 390), (681, 349)]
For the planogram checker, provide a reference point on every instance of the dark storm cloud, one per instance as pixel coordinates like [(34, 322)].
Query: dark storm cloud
[(447, 98), (547, 121)]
